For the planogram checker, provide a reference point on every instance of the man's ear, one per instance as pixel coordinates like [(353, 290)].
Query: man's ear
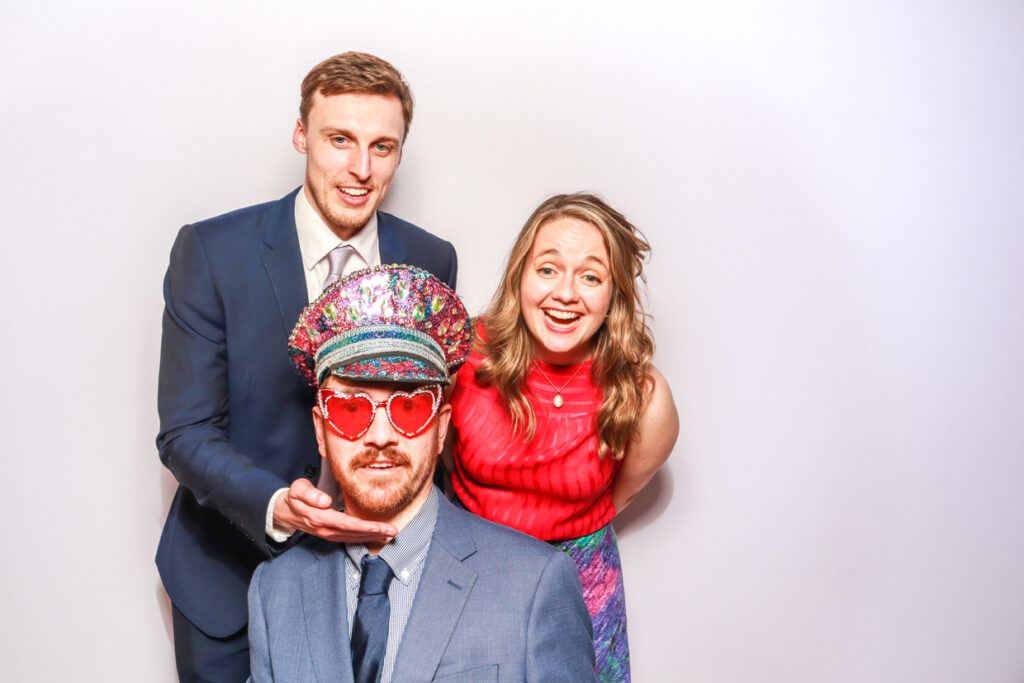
[(318, 427), (299, 137), (444, 416)]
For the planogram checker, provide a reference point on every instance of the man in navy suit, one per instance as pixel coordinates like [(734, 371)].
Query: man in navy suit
[(234, 419), (452, 597)]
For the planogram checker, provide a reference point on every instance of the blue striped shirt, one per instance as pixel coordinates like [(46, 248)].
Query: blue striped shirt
[(405, 554)]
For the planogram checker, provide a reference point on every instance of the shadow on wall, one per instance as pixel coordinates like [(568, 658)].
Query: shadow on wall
[(168, 486), (648, 505), (165, 610)]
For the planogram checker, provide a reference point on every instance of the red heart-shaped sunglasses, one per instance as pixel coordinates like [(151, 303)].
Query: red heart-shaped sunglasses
[(350, 415)]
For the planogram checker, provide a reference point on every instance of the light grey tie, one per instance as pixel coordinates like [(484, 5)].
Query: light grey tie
[(336, 259)]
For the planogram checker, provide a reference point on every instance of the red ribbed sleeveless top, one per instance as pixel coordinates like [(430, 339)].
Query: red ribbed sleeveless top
[(553, 487)]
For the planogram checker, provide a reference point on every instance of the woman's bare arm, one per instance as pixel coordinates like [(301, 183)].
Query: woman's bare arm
[(659, 427)]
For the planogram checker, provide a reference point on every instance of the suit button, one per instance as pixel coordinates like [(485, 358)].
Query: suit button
[(310, 471)]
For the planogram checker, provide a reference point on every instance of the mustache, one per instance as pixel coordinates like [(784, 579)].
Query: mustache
[(370, 455)]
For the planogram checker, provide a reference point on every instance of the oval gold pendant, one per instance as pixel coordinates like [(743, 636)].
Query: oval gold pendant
[(557, 400)]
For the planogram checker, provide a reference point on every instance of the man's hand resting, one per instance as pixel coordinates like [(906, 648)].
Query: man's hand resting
[(306, 508)]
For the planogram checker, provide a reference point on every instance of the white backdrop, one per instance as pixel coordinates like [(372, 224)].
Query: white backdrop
[(834, 196)]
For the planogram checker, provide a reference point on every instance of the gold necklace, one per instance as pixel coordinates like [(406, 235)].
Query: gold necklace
[(557, 400)]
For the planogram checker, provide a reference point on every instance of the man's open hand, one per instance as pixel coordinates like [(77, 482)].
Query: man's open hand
[(306, 508)]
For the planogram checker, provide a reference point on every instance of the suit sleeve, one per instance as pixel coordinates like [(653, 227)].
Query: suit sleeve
[(259, 647), (559, 641), (453, 274), (193, 397)]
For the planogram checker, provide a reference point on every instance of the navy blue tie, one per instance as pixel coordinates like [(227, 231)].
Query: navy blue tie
[(370, 629)]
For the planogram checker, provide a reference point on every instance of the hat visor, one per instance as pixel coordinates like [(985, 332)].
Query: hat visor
[(401, 369)]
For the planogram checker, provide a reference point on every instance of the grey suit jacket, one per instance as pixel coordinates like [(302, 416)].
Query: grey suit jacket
[(492, 605)]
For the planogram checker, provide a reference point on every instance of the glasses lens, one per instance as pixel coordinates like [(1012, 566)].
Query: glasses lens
[(350, 416), (411, 413)]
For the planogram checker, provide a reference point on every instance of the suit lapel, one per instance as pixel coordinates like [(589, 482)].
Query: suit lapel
[(441, 597), (283, 260), (391, 248), (326, 615)]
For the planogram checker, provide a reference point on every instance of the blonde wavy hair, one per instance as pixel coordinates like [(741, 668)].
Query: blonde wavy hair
[(622, 347)]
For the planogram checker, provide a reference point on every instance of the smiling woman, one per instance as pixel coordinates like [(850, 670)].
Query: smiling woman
[(566, 287), (560, 419)]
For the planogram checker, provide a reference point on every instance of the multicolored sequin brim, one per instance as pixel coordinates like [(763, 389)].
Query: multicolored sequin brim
[(391, 323)]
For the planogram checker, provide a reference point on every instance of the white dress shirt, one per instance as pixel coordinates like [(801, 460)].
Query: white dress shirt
[(316, 240)]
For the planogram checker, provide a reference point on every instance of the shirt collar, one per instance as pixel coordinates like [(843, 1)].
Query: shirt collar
[(316, 240), (406, 550)]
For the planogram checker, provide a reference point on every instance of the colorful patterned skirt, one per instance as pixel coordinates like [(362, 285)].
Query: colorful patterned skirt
[(597, 558)]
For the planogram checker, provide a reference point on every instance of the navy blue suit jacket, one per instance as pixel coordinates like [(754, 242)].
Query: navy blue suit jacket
[(492, 605), (235, 421)]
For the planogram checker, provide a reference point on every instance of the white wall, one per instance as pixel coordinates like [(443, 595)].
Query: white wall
[(834, 195)]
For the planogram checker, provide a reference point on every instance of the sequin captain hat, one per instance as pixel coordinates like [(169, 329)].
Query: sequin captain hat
[(388, 324)]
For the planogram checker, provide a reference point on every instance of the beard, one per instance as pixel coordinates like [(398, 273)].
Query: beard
[(382, 497)]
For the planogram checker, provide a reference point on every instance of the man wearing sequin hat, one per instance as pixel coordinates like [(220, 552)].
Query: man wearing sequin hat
[(234, 422), (463, 597)]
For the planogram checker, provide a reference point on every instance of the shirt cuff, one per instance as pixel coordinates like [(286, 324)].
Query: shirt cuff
[(275, 533)]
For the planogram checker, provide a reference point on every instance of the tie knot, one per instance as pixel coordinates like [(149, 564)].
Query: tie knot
[(376, 576), (336, 260)]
